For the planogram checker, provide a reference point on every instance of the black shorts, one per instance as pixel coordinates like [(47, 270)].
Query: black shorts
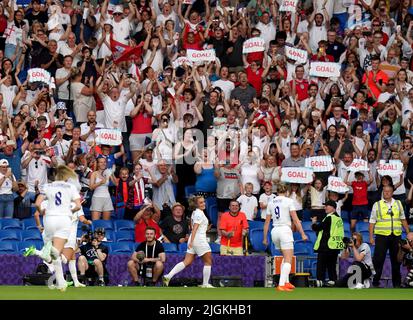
[(223, 204)]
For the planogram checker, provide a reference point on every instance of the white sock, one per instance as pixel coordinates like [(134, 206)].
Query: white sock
[(178, 268), (285, 271), (73, 271), (64, 259), (60, 280), (37, 253), (55, 254), (206, 274)]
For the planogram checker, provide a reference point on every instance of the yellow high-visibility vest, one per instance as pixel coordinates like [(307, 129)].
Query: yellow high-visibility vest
[(388, 221)]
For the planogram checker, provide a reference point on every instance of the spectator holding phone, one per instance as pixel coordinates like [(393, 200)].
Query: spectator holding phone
[(375, 79)]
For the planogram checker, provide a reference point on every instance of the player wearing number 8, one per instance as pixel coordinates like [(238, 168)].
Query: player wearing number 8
[(58, 216), (329, 242), (281, 209)]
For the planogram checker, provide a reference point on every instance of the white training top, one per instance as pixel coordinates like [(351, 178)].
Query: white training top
[(60, 196), (199, 217), (279, 208)]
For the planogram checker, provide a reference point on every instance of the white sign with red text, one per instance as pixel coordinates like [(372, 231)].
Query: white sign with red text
[(325, 69), (336, 184), (298, 55), (393, 168), (109, 137), (253, 45), (296, 175), (289, 5), (200, 55), (38, 75), (180, 61), (320, 164), (358, 165)]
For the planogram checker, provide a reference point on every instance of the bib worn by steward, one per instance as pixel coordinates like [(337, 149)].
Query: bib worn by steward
[(388, 219), (336, 234)]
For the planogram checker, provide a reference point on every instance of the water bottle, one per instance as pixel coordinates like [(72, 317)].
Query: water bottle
[(269, 282)]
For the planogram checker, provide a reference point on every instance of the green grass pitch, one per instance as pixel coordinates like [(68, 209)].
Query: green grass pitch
[(194, 293)]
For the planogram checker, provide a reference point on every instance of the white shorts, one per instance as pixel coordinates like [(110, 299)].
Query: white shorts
[(282, 237), (72, 240), (199, 249), (56, 227), (101, 204), (137, 141)]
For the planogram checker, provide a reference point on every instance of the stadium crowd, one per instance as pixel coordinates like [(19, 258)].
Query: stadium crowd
[(286, 81)]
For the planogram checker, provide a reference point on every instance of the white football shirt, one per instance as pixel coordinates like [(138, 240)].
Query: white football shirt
[(60, 196), (199, 217), (279, 208)]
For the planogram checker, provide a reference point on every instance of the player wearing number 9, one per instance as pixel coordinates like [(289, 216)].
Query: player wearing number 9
[(58, 217), (281, 210)]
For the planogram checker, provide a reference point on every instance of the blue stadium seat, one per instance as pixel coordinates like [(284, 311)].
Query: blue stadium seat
[(312, 236), (25, 244), (135, 245), (366, 236), (29, 223), (362, 226), (110, 235), (119, 248), (121, 236), (8, 247), (303, 248), (255, 236), (10, 235), (28, 235), (209, 202), (347, 233), (297, 236), (189, 191), (183, 247), (307, 225), (215, 247), (274, 251), (124, 225), (213, 214), (170, 247), (346, 226), (107, 224), (10, 224), (345, 215), (255, 224)]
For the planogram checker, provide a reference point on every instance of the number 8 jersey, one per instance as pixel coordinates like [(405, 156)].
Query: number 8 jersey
[(279, 208), (60, 196)]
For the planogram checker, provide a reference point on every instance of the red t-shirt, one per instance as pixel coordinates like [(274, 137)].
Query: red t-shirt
[(301, 88), (368, 79), (262, 121), (235, 224), (254, 78), (140, 229), (142, 123), (255, 56), (360, 193)]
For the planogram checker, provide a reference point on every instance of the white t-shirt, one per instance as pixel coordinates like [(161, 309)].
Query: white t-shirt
[(279, 208), (37, 170), (6, 187), (157, 63), (9, 93), (115, 112), (226, 85), (249, 173), (268, 31), (248, 205), (121, 30), (199, 217), (316, 35), (63, 89), (60, 196), (84, 129), (342, 170), (265, 199)]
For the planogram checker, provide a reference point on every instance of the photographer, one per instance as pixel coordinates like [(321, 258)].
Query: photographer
[(148, 260), (93, 253), (405, 256), (361, 257)]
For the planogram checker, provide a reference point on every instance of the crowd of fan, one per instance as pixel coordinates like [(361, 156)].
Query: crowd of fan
[(226, 127)]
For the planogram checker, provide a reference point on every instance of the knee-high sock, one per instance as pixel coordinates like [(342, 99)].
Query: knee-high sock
[(206, 274), (178, 268), (54, 253), (286, 276), (73, 271), (60, 280), (285, 271)]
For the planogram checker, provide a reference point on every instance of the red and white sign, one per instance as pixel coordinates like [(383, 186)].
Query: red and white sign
[(298, 55), (38, 75), (253, 45), (180, 61), (393, 168), (109, 137), (336, 184), (296, 175), (325, 69), (200, 55), (319, 164), (358, 165), (289, 5)]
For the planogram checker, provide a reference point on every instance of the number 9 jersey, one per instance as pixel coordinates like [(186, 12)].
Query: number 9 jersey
[(279, 208), (60, 196)]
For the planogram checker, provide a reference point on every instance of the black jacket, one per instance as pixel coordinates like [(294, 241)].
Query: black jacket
[(324, 226)]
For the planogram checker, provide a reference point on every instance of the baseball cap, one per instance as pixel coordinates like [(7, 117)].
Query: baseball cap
[(219, 107), (4, 162), (109, 22), (331, 203), (10, 143), (118, 9)]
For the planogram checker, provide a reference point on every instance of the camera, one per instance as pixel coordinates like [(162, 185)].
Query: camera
[(348, 241), (403, 242)]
